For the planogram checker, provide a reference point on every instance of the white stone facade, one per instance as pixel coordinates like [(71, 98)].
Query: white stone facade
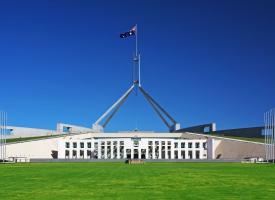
[(132, 148)]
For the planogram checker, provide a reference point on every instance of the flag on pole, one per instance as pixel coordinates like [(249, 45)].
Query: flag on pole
[(129, 33)]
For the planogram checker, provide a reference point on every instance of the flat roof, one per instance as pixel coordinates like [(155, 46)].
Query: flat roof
[(136, 134)]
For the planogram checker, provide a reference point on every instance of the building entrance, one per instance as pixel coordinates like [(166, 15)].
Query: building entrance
[(135, 153)]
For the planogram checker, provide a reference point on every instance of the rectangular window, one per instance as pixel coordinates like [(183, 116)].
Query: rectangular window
[(197, 145), (67, 145), (169, 142), (81, 153), (89, 144), (189, 144), (75, 145), (190, 154), (150, 143), (163, 143), (176, 144), (176, 154), (204, 145), (81, 144), (121, 143), (67, 153), (197, 154), (109, 143), (183, 154), (182, 145), (102, 143), (74, 153)]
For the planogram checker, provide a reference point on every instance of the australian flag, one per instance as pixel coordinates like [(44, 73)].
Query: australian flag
[(129, 33)]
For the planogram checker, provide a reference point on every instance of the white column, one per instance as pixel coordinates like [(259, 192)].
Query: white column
[(85, 150), (78, 150), (153, 153), (201, 150), (118, 150), (124, 154), (139, 153), (105, 150), (160, 149), (70, 153), (99, 150), (147, 151), (112, 150), (186, 152), (166, 149), (132, 153), (172, 150)]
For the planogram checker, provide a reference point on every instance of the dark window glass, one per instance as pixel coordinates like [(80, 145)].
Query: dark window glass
[(197, 145), (197, 154)]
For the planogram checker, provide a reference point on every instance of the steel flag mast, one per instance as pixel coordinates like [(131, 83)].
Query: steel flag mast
[(3, 132), (167, 119)]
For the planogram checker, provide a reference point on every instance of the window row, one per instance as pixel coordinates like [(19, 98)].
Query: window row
[(178, 144), (135, 154), (89, 144)]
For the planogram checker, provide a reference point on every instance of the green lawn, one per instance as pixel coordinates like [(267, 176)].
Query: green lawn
[(21, 139), (149, 181)]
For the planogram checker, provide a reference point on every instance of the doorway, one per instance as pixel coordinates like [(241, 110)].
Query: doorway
[(135, 153)]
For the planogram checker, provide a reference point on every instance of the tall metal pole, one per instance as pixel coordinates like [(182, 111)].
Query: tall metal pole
[(5, 135), (139, 81), (1, 149), (265, 135), (137, 57), (2, 142), (270, 134), (268, 140), (271, 130), (136, 40), (273, 135)]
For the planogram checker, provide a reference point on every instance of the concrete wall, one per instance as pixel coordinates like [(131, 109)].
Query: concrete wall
[(235, 149), (70, 128), (17, 132), (40, 148), (227, 148)]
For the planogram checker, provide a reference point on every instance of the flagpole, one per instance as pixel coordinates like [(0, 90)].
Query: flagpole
[(138, 55), (136, 41)]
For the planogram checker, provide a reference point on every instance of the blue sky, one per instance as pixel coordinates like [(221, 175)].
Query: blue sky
[(204, 61)]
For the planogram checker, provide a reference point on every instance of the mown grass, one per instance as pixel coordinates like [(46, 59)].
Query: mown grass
[(21, 139), (50, 181)]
